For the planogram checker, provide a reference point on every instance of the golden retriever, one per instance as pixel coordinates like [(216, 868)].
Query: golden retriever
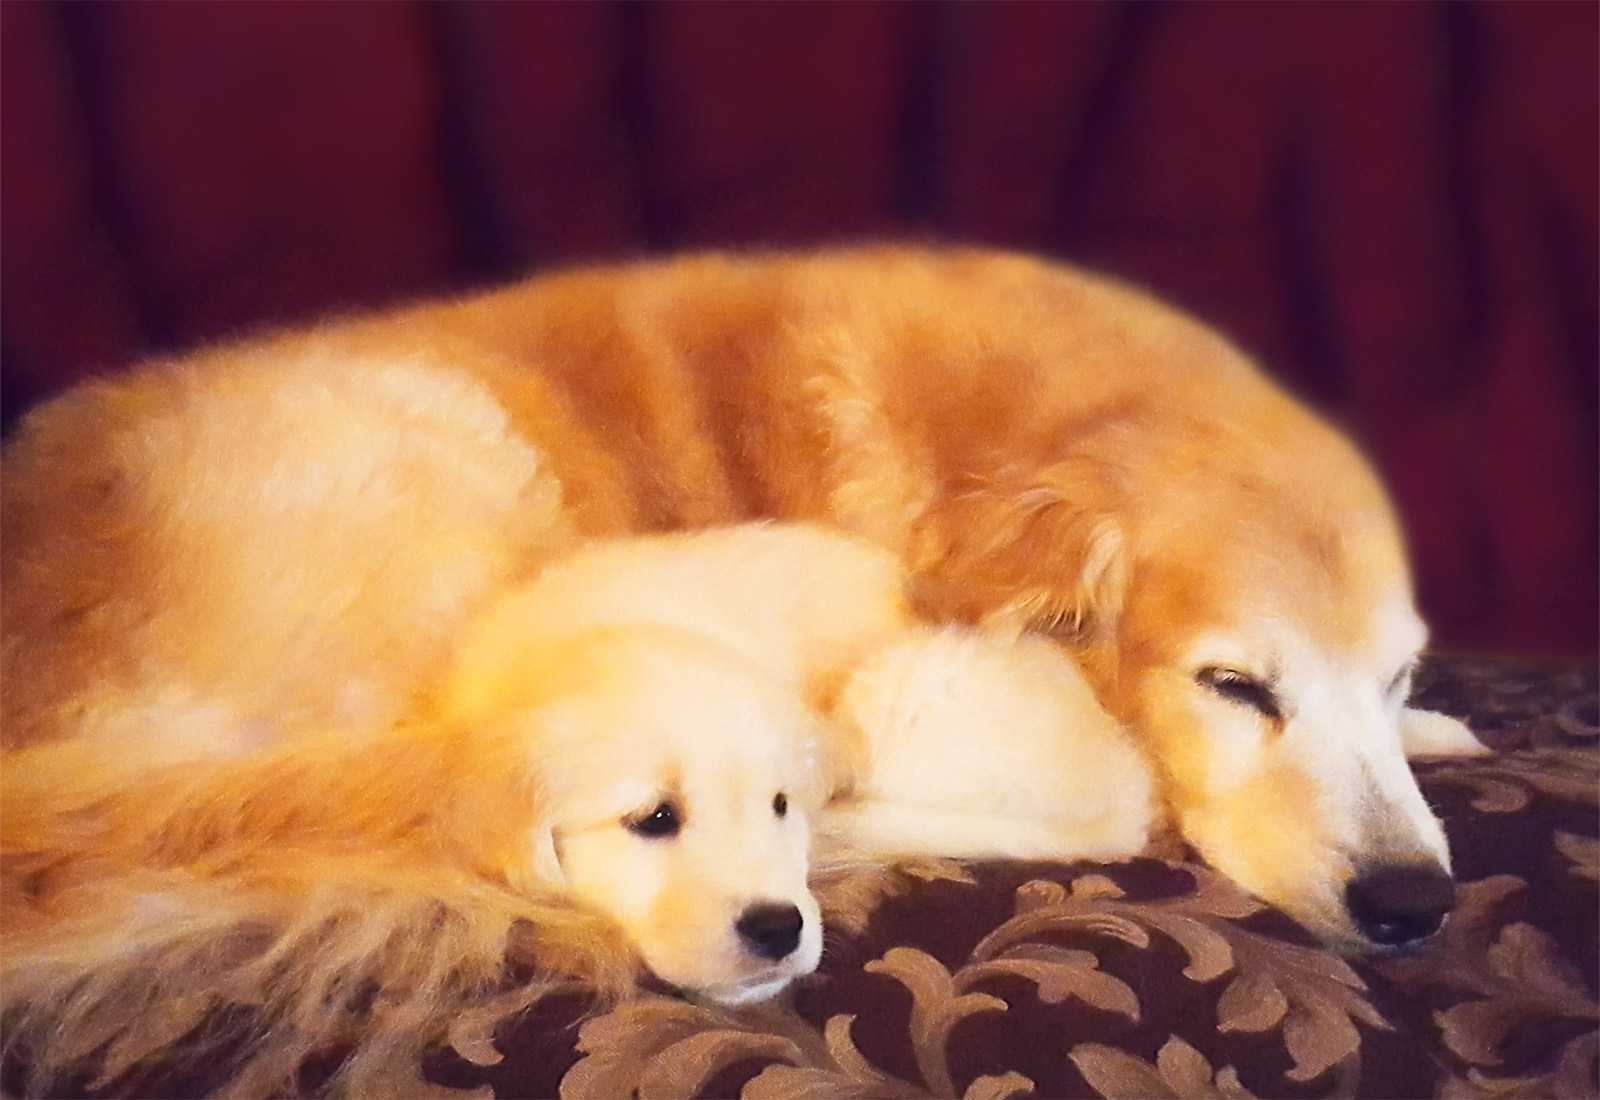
[(627, 755), (288, 534), (682, 808)]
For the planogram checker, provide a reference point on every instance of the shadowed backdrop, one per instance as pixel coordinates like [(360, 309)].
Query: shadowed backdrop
[(1393, 205)]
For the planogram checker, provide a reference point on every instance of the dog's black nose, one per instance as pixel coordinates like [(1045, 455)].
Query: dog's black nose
[(1400, 903), (771, 929)]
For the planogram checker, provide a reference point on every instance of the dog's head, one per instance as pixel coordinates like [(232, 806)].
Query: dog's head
[(1271, 684), (674, 785), (1240, 599)]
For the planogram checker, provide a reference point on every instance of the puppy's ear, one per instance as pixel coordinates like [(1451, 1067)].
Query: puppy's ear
[(1049, 556), (498, 819), (546, 865), (1426, 733)]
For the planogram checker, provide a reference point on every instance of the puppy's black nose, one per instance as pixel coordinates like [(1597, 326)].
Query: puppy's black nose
[(771, 929), (1400, 903)]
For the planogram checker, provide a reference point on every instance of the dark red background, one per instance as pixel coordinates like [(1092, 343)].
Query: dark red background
[(1395, 205)]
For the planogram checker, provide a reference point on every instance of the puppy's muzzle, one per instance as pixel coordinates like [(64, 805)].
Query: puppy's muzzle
[(770, 930), (1398, 904)]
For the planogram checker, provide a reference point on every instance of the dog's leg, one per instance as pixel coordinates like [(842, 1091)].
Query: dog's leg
[(979, 746), (887, 830)]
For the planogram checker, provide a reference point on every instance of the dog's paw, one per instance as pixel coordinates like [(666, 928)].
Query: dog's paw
[(1428, 733)]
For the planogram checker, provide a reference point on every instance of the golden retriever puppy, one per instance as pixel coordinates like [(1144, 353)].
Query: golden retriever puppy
[(938, 743), (287, 533)]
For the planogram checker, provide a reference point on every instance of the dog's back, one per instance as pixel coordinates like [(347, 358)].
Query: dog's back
[(286, 533), (211, 556)]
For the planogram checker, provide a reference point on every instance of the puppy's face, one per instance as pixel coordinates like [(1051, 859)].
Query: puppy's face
[(676, 786)]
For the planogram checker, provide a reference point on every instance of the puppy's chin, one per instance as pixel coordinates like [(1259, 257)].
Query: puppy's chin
[(752, 987), (752, 990)]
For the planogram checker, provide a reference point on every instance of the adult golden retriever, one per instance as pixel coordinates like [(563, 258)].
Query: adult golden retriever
[(212, 555)]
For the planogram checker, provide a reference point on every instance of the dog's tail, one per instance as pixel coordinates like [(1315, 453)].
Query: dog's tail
[(261, 914)]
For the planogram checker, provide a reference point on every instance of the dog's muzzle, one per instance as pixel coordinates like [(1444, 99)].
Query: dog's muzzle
[(1398, 904)]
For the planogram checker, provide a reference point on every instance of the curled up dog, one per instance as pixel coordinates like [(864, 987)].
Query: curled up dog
[(227, 578)]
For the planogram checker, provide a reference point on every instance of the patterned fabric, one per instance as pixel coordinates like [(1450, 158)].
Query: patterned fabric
[(1157, 978)]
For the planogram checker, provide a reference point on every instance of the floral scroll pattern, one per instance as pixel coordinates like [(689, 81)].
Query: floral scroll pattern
[(1309, 1002), (1515, 971)]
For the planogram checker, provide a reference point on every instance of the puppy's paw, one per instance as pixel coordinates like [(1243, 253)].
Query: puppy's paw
[(1428, 733)]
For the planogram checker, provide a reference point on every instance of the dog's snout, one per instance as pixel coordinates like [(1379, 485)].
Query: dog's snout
[(771, 929), (1398, 904)]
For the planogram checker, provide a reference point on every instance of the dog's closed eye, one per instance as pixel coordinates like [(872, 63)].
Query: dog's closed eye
[(1242, 688), (1399, 689), (659, 822)]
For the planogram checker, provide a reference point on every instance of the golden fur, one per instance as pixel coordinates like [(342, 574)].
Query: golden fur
[(280, 542)]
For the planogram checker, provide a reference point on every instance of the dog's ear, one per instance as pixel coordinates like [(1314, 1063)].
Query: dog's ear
[(496, 818), (1049, 556), (546, 866), (1425, 733)]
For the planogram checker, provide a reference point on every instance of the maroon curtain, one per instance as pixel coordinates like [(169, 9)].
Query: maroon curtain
[(1394, 205)]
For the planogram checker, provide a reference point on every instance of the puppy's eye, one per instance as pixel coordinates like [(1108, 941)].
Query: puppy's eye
[(780, 804), (662, 821), (1238, 687)]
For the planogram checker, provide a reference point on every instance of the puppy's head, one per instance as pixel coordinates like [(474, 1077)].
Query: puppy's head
[(1238, 595), (674, 784)]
